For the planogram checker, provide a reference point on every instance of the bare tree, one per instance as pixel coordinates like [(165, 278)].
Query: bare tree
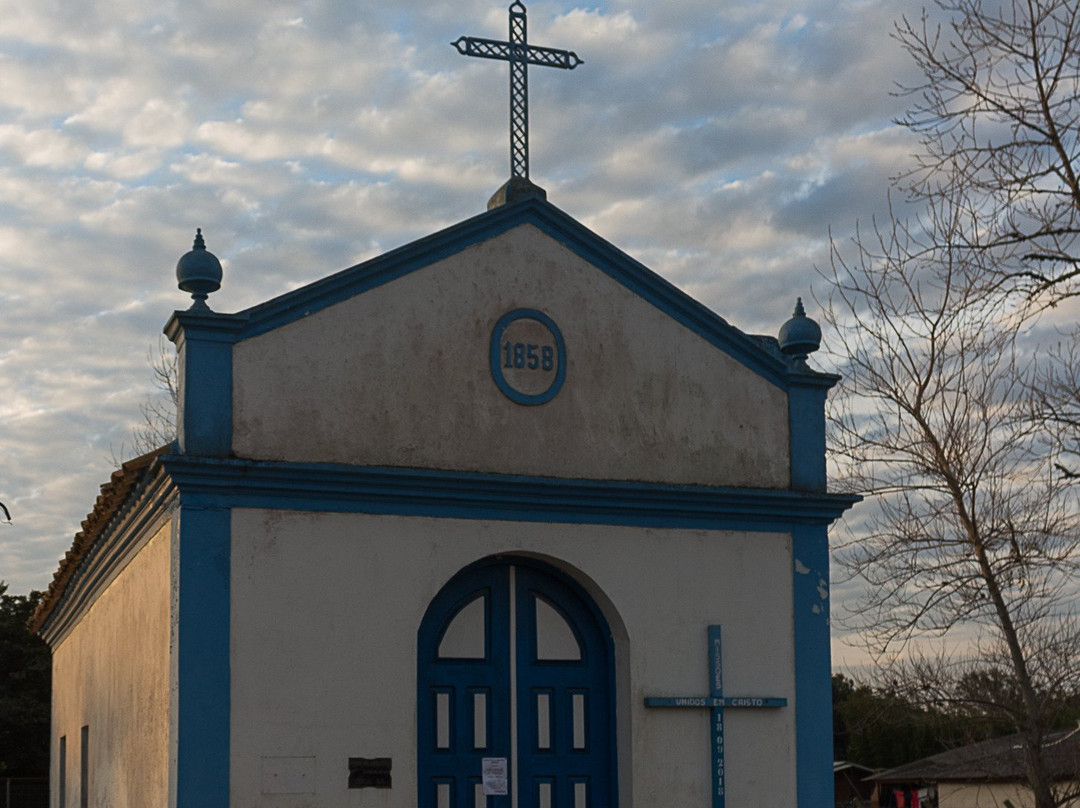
[(159, 411), (997, 116), (1056, 401), (158, 425), (998, 119), (973, 525), (959, 424)]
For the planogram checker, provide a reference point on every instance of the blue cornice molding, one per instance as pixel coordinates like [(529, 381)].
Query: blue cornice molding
[(211, 326), (182, 481), (214, 482)]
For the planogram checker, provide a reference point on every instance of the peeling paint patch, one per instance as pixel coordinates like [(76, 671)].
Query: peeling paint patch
[(801, 568), (823, 589), (816, 609)]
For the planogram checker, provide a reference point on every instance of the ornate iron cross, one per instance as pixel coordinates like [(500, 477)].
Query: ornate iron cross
[(520, 54)]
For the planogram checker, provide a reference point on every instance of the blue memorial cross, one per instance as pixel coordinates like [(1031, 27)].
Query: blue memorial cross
[(717, 702), (520, 54)]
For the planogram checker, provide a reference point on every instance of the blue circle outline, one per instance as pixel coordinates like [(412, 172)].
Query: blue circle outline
[(495, 357)]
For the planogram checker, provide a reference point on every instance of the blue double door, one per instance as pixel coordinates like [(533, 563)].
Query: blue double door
[(515, 693)]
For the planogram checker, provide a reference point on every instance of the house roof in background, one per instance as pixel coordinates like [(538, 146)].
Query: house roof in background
[(846, 765), (999, 759)]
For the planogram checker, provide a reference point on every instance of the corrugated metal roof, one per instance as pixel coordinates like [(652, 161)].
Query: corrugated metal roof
[(999, 759), (846, 765)]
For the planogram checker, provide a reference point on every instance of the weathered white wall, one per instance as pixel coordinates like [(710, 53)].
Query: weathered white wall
[(111, 673), (400, 376), (986, 795), (325, 611)]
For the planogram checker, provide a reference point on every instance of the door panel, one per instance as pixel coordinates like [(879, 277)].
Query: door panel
[(565, 717), (463, 663), (548, 707)]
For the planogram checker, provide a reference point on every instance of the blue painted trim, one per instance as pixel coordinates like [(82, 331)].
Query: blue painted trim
[(497, 362), (806, 425), (202, 665), (204, 419), (763, 357), (760, 354), (467, 495), (716, 730), (813, 669)]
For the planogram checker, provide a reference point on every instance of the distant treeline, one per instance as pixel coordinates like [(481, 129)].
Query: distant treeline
[(882, 726), (25, 687)]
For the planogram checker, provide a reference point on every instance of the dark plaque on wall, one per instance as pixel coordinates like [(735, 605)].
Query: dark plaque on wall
[(369, 772)]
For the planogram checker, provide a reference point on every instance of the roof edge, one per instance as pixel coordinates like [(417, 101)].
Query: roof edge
[(759, 354), (108, 505)]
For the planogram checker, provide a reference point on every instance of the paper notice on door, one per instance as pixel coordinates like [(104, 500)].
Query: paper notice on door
[(494, 774)]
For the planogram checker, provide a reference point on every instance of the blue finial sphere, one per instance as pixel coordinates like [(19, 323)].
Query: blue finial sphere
[(198, 272), (800, 336)]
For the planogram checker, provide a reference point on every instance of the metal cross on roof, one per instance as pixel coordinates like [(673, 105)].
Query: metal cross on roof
[(520, 54)]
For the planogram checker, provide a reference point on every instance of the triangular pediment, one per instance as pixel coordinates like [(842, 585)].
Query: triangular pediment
[(516, 342)]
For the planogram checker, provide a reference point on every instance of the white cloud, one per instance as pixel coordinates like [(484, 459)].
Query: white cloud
[(125, 166), (47, 148), (160, 123), (715, 143)]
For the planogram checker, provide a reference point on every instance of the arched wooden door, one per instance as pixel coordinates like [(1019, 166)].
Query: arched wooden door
[(515, 674)]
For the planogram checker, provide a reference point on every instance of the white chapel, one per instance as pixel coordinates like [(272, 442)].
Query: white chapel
[(460, 526), (499, 519)]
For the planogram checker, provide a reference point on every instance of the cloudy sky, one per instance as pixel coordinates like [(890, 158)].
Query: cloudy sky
[(717, 142)]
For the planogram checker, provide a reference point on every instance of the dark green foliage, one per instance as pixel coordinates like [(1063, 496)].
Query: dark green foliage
[(25, 686), (882, 728), (875, 728)]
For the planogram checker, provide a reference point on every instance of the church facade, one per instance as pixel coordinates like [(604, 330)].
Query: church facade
[(460, 526)]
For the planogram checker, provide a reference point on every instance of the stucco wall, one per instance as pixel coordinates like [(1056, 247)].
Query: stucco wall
[(325, 610), (398, 375), (111, 674), (986, 795)]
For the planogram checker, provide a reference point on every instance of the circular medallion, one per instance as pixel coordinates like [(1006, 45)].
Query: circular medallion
[(528, 356)]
